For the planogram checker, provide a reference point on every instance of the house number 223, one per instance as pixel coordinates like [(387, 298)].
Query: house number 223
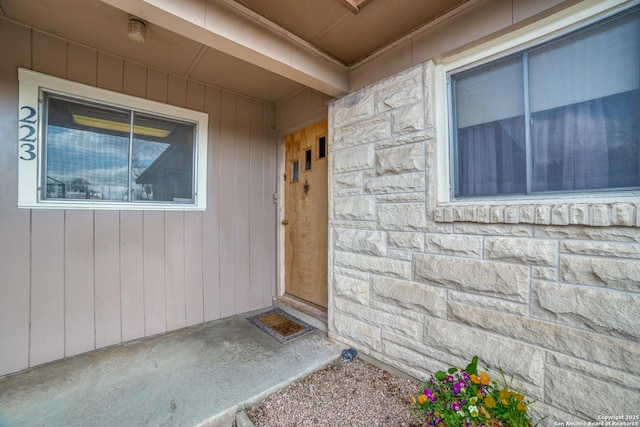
[(28, 131)]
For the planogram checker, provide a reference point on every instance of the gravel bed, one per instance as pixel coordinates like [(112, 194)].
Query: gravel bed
[(341, 394)]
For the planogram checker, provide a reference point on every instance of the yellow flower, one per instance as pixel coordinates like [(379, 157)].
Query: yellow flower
[(484, 378), (475, 379), (422, 398), (490, 402), (484, 412), (519, 397), (521, 406), (505, 394)]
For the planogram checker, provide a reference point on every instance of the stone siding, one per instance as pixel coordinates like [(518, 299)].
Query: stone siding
[(548, 292)]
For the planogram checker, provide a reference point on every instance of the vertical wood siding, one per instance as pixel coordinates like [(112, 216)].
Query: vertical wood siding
[(75, 281)]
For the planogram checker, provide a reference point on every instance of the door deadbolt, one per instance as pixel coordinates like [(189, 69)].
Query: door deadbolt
[(285, 222)]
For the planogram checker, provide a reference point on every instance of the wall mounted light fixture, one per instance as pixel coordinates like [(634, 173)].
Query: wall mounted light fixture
[(137, 29)]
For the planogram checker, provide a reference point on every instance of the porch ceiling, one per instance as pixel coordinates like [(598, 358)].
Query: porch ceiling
[(267, 49)]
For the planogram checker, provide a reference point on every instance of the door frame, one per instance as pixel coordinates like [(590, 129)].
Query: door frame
[(281, 135)]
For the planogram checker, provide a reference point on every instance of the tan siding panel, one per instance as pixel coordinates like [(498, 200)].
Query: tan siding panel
[(107, 278), (49, 55), (193, 268), (110, 72), (157, 85), (82, 64), (227, 205), (243, 205), (269, 220), (78, 273), (155, 313), (131, 275), (174, 269), (210, 226), (478, 21), (195, 95), (177, 91), (257, 200), (14, 223), (47, 286), (134, 79)]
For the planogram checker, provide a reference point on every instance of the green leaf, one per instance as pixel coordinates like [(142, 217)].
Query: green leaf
[(472, 368), (453, 370), (440, 375)]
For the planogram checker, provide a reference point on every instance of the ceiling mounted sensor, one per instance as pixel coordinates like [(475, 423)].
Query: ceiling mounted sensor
[(137, 29)]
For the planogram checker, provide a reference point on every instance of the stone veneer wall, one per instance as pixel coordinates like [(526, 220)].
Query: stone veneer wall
[(549, 293)]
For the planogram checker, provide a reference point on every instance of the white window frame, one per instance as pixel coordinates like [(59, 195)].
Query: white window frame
[(30, 135), (450, 209)]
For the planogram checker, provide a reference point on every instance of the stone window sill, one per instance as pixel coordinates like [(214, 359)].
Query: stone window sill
[(626, 214)]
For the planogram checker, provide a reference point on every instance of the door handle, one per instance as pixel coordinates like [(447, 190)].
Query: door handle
[(285, 222)]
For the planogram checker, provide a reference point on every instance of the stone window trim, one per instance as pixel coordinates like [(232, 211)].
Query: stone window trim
[(625, 214), (592, 209)]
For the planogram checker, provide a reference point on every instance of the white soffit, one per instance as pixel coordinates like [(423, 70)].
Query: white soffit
[(229, 28)]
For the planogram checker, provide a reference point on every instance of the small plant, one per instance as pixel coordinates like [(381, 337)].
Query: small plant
[(466, 398)]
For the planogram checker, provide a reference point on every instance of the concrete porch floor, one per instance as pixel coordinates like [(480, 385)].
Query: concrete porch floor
[(200, 375)]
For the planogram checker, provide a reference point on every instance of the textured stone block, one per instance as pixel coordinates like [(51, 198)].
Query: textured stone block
[(527, 214), (353, 107), (404, 139), (402, 217), (361, 241), (560, 215), (522, 251), (350, 272), (359, 208), (511, 214), (602, 249), (347, 180), (358, 332), (352, 289), (599, 215), (580, 214), (607, 351), (372, 131), (610, 313), (623, 214), (401, 197), (543, 214), (353, 159), (380, 319), (372, 264), (544, 273), (407, 119), (470, 246), (483, 277), (406, 240), (520, 360), (614, 234), (494, 229), (403, 159), (398, 254), (408, 92), (570, 391), (417, 297), (597, 371), (489, 302), (610, 273), (406, 183)]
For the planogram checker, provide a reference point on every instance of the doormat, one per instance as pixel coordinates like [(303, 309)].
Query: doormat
[(281, 325)]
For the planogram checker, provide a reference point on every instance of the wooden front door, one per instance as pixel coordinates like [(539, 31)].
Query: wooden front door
[(306, 215)]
